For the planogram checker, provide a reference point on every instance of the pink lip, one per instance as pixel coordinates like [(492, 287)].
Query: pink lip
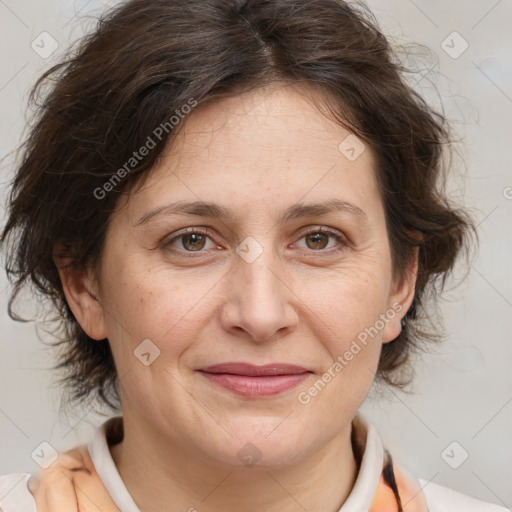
[(249, 380)]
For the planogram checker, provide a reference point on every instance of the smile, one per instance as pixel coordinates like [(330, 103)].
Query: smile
[(256, 381)]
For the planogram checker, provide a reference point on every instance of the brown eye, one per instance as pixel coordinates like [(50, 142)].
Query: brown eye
[(193, 242), (317, 240)]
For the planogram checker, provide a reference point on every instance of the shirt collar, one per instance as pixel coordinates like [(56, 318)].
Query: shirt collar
[(365, 437), (111, 430)]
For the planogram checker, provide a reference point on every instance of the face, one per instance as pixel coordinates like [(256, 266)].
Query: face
[(264, 283)]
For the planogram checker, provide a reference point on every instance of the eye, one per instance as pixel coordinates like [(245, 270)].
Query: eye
[(318, 239), (190, 240)]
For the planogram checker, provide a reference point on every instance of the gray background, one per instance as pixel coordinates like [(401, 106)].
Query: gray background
[(462, 392)]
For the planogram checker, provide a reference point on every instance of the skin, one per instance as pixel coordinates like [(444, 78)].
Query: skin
[(71, 484), (300, 302)]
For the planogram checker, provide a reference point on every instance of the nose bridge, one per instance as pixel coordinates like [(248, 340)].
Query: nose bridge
[(257, 264), (259, 299)]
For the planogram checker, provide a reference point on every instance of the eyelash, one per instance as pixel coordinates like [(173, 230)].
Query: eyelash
[(202, 231)]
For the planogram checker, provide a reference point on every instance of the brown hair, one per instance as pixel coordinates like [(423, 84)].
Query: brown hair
[(141, 66)]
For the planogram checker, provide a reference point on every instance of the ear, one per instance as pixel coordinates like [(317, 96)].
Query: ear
[(400, 300), (81, 290)]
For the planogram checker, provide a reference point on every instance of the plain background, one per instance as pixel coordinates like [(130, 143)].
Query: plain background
[(455, 428)]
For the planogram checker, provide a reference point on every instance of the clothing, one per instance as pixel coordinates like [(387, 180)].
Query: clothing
[(380, 486)]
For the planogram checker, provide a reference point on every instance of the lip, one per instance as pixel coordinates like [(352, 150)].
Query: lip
[(255, 371), (256, 381)]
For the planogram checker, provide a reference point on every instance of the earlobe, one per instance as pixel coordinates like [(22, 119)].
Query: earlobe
[(400, 300), (81, 291)]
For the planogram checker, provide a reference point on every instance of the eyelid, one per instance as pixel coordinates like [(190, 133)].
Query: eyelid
[(321, 229)]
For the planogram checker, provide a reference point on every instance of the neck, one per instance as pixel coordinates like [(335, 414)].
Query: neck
[(163, 475)]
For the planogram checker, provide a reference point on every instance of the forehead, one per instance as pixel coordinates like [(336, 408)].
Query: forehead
[(270, 122), (270, 147)]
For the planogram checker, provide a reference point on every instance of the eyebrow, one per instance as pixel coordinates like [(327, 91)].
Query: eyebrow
[(213, 210)]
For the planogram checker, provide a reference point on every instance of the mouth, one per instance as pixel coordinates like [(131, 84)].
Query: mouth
[(256, 381)]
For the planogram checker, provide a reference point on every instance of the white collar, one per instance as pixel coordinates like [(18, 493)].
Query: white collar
[(107, 470), (360, 498)]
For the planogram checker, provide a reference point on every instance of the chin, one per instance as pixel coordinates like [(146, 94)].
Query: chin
[(259, 444)]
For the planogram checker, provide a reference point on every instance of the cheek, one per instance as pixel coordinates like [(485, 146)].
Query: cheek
[(348, 300), (346, 315), (156, 305)]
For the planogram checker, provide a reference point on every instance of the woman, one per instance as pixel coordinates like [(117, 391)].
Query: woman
[(234, 205)]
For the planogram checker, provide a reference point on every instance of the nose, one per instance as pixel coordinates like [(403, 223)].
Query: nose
[(260, 303)]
